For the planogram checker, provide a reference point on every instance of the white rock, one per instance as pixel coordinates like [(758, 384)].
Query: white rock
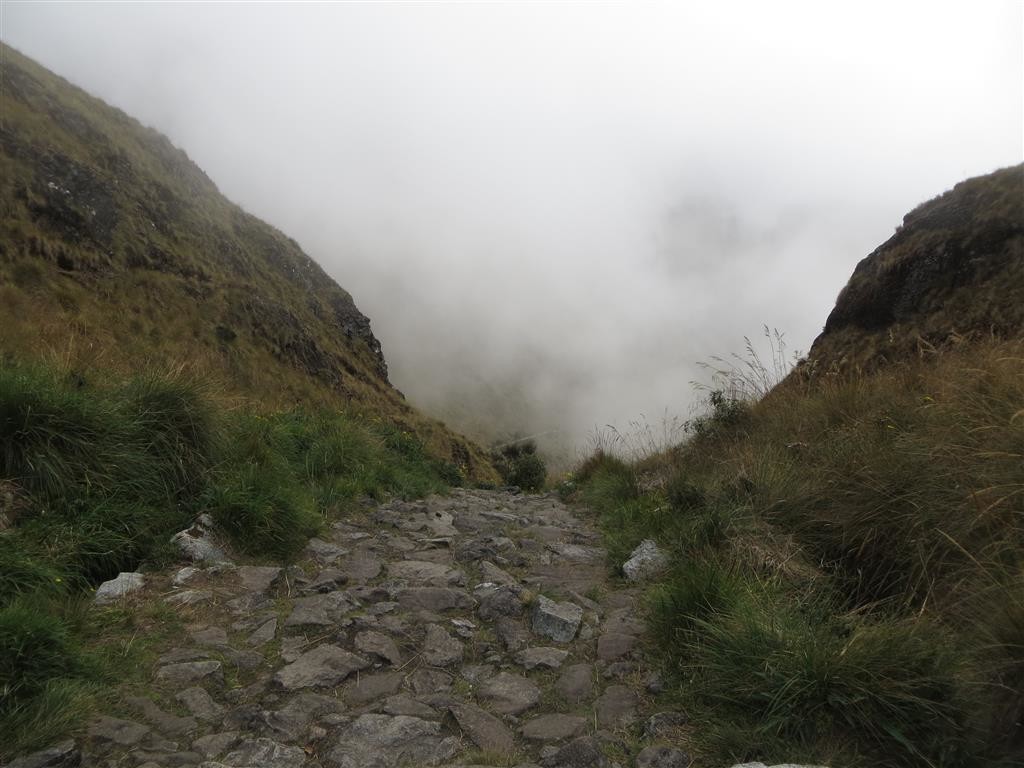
[(121, 585), (197, 544), (182, 577), (646, 560)]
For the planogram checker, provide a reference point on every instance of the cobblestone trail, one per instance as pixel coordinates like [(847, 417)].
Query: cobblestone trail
[(474, 629)]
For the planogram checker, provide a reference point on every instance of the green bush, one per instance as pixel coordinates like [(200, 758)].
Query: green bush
[(519, 465)]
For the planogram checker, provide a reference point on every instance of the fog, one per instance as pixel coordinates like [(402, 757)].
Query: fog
[(553, 212)]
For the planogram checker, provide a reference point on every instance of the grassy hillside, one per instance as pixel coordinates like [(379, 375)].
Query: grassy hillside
[(118, 254), (847, 544), (94, 480), (847, 579), (953, 272)]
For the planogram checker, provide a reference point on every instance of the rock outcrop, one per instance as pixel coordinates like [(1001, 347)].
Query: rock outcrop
[(953, 271)]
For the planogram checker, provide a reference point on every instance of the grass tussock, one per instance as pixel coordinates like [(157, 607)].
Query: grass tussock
[(94, 480), (848, 578)]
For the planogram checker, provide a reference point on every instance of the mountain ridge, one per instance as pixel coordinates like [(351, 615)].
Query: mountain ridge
[(116, 250), (954, 270)]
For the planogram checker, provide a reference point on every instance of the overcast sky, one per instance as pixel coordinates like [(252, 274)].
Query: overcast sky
[(552, 212)]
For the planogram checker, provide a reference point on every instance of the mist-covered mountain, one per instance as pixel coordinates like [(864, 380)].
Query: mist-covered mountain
[(117, 251), (954, 271)]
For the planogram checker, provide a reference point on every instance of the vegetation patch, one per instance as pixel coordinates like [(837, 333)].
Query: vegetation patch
[(847, 573), (96, 478), (520, 465)]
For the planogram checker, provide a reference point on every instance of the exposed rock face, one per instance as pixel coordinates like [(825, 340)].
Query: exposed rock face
[(955, 269)]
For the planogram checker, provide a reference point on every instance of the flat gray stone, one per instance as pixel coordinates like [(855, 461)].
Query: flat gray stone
[(513, 635), (576, 684), (616, 706), (615, 645), (323, 551), (320, 610), (483, 728), (509, 694), (112, 730), (548, 658), (389, 741), (360, 567), (265, 753), (215, 744), (327, 580), (401, 704), (63, 755), (576, 553), (367, 688), (190, 672), (425, 574), (440, 649), (559, 621), (497, 601), (380, 645), (494, 574), (292, 721), (623, 621), (211, 637), (426, 681), (202, 706), (119, 587), (583, 752), (554, 727), (325, 665), (662, 757), (436, 599), (257, 578), (166, 723), (266, 632)]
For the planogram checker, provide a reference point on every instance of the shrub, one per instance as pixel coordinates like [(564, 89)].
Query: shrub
[(725, 414), (519, 464)]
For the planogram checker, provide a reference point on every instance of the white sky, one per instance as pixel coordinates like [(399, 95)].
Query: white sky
[(568, 203)]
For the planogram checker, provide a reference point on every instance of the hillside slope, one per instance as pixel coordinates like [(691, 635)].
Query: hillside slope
[(116, 251), (954, 270), (845, 580)]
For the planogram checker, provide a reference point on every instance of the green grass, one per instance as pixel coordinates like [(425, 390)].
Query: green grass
[(96, 479), (847, 580)]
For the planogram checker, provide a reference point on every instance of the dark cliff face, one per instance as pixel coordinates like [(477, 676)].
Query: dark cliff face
[(953, 271), (90, 196)]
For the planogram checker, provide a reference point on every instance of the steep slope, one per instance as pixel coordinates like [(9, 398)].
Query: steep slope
[(117, 251), (845, 580), (954, 270)]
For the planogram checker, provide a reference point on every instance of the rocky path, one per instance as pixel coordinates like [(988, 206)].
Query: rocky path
[(474, 629)]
